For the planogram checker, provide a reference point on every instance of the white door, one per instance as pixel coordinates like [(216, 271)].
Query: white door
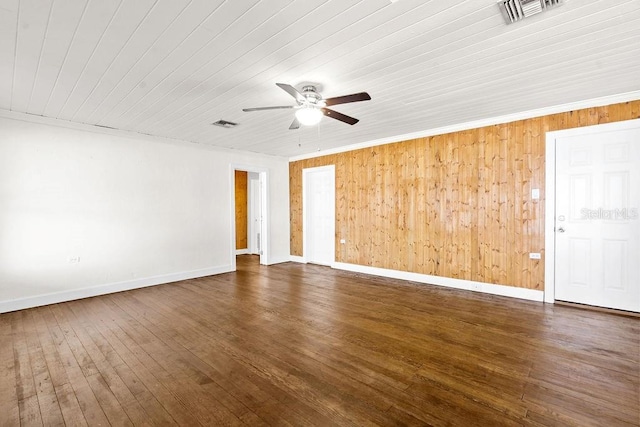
[(319, 215), (255, 216), (597, 228)]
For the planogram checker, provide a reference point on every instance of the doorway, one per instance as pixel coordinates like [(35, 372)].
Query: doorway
[(242, 209), (319, 213), (254, 200), (253, 224), (593, 216)]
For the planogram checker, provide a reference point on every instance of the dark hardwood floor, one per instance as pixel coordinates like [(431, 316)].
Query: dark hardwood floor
[(306, 345)]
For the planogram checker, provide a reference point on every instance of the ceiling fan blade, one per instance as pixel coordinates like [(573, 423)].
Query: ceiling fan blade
[(295, 124), (292, 91), (356, 97), (282, 107), (339, 116)]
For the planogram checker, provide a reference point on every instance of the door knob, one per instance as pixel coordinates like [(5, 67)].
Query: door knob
[(560, 230)]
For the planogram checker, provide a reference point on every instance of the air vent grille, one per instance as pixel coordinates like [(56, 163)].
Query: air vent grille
[(517, 10), (225, 124)]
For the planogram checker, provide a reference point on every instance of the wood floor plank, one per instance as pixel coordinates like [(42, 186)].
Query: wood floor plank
[(8, 387), (551, 403), (145, 404), (30, 411), (115, 412), (25, 385), (295, 344), (338, 381), (47, 399), (65, 395), (159, 382), (149, 386), (89, 405), (433, 402), (288, 327), (90, 359), (26, 391), (108, 384), (202, 388), (319, 357), (49, 349), (69, 405)]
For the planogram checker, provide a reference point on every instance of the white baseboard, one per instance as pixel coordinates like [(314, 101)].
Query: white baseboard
[(278, 260), (242, 251), (56, 297), (295, 258), (507, 291)]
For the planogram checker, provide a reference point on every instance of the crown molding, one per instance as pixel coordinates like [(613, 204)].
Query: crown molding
[(563, 108)]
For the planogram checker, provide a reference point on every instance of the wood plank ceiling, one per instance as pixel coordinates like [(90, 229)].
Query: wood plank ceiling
[(170, 68)]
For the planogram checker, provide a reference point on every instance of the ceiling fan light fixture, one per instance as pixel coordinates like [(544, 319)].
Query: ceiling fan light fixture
[(311, 106), (309, 116)]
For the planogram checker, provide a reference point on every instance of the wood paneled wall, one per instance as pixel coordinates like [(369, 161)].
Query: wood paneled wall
[(241, 210), (455, 205)]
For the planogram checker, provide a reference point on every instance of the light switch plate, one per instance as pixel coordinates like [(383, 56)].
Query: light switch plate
[(535, 193)]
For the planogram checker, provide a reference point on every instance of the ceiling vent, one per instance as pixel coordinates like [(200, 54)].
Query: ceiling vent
[(225, 124), (517, 10)]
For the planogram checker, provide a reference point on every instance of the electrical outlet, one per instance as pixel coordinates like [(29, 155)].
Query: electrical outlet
[(74, 260), (534, 255), (343, 241)]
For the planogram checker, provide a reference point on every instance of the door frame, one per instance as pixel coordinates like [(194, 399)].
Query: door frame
[(305, 174), (251, 227), (265, 229), (550, 194)]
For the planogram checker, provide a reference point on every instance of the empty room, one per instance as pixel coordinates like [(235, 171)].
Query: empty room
[(320, 212)]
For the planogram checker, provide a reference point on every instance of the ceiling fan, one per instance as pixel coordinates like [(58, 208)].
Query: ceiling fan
[(311, 106)]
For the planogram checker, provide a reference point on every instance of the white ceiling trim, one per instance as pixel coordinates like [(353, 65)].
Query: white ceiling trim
[(563, 108)]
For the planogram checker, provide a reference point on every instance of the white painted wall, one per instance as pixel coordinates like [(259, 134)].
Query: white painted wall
[(135, 211)]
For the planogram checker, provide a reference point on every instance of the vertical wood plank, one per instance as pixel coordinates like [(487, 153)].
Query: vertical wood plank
[(410, 171), (483, 214), (342, 182), (295, 207), (536, 230), (421, 236)]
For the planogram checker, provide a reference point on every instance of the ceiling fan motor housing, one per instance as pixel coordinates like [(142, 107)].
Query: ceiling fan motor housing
[(311, 94)]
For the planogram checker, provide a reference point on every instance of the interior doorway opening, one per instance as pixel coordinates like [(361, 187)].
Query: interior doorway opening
[(249, 222), (254, 214)]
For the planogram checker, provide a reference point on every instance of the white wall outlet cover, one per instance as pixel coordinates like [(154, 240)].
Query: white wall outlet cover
[(534, 255), (535, 193)]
